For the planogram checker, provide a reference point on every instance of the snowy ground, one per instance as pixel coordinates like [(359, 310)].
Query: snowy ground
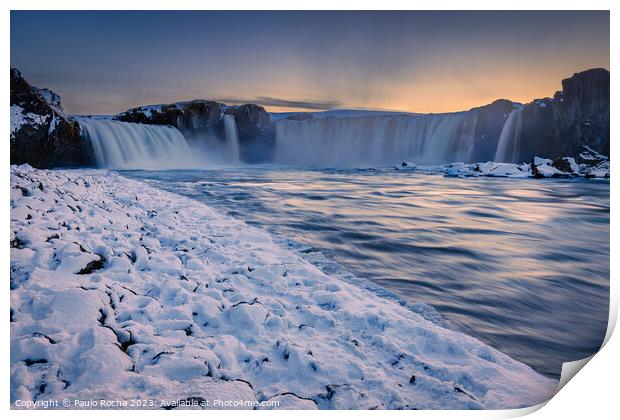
[(120, 290)]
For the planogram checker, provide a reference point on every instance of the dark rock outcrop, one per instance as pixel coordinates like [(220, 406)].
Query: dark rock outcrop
[(576, 116), (41, 135), (191, 117)]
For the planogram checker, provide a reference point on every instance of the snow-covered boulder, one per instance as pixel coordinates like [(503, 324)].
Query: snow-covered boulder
[(543, 168), (593, 165), (567, 165), (490, 169)]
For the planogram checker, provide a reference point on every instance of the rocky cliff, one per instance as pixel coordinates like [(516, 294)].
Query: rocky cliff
[(41, 135), (202, 117), (576, 116)]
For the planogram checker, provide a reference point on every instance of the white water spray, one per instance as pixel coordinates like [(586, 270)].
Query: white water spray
[(232, 139), (121, 145), (430, 139), (509, 139)]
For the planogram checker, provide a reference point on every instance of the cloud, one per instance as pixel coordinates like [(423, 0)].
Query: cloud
[(286, 103)]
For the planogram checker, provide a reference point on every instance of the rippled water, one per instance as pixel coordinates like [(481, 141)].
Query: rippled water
[(521, 264)]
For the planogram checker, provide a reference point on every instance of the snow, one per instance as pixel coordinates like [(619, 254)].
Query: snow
[(53, 125), (545, 168), (52, 99), (590, 154), (19, 118), (572, 163), (149, 109), (491, 169), (542, 161), (120, 290), (548, 171)]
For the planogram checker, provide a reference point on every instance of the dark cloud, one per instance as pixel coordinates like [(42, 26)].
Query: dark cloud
[(286, 103)]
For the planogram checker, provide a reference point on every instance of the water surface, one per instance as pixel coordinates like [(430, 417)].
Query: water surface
[(521, 264)]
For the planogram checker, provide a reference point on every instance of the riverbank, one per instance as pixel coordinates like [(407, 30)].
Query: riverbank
[(120, 290)]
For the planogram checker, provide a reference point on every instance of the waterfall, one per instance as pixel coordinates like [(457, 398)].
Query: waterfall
[(232, 139), (123, 145), (509, 139), (381, 139)]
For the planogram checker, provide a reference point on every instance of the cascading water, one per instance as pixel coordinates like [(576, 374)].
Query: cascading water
[(123, 145), (232, 139), (439, 138), (508, 144)]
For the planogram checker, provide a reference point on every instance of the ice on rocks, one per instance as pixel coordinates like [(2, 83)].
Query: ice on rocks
[(178, 303), (597, 167)]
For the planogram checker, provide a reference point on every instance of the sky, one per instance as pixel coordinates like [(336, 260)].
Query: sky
[(104, 62)]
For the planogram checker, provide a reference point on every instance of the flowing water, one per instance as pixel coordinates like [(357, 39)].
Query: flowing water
[(126, 145), (121, 145), (375, 140), (521, 264), (232, 139), (508, 144)]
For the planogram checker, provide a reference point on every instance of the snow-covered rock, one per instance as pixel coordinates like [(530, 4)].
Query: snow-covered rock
[(567, 165), (594, 165), (543, 168), (491, 169), (20, 118), (591, 157), (52, 99), (41, 135), (119, 290)]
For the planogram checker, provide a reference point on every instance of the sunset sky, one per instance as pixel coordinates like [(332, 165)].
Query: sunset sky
[(106, 62)]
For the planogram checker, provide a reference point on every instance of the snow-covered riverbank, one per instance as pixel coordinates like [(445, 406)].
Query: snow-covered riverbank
[(120, 290)]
